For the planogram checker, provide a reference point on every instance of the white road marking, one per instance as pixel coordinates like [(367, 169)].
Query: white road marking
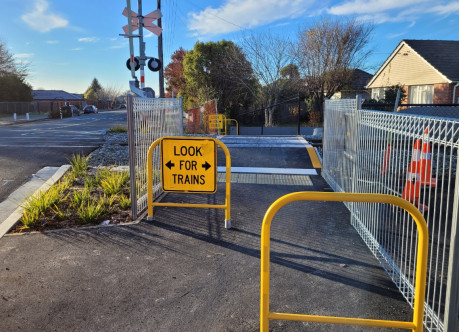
[(265, 142), (267, 170)]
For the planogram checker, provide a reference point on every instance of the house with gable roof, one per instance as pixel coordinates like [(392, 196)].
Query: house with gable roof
[(428, 70), (48, 100)]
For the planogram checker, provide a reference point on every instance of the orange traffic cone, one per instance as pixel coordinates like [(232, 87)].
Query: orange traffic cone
[(426, 162), (412, 189)]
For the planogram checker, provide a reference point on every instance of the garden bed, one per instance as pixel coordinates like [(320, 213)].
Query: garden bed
[(84, 196)]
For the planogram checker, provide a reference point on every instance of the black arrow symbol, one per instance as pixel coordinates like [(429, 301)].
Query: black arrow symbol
[(170, 164), (206, 165)]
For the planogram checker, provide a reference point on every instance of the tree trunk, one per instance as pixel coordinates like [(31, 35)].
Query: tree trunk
[(271, 113)]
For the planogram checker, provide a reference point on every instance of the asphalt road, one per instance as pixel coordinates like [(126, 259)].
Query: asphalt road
[(26, 148)]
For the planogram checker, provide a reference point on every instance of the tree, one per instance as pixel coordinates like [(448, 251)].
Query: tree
[(390, 94), (174, 72), (14, 88), (94, 91), (206, 70), (326, 54), (95, 85), (268, 55), (8, 66), (109, 94), (91, 96)]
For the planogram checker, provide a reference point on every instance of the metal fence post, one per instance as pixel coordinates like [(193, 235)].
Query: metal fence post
[(452, 286), (181, 115), (131, 145)]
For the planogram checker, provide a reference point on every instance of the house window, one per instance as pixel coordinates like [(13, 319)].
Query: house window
[(378, 93), (421, 94)]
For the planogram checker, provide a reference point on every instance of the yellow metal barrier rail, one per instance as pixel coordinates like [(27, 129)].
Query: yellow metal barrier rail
[(150, 198), (228, 121), (421, 263)]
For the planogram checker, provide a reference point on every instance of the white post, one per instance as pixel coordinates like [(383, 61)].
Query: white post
[(141, 45), (14, 116), (27, 117)]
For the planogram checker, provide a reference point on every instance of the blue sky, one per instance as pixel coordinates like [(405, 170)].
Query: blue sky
[(68, 43)]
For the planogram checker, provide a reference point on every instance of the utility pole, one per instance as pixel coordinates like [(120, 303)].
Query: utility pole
[(141, 46), (160, 56)]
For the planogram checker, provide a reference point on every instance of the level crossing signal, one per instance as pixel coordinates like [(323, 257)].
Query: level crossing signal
[(153, 64), (136, 63)]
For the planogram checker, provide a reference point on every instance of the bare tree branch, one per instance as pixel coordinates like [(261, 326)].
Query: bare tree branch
[(328, 52)]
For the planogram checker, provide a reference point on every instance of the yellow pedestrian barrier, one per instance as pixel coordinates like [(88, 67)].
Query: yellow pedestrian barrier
[(228, 121), (217, 121), (421, 263), (189, 165)]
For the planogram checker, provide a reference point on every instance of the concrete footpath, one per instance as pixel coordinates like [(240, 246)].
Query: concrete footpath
[(184, 271), (9, 120)]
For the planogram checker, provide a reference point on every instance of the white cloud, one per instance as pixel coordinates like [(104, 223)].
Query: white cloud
[(52, 42), (396, 35), (371, 6), (88, 39), (235, 15), (451, 8), (118, 46), (23, 55), (77, 49), (41, 19), (378, 11)]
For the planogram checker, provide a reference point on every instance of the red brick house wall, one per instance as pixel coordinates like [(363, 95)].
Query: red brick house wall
[(443, 93)]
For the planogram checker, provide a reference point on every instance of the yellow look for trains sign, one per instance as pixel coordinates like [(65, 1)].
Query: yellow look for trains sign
[(189, 165)]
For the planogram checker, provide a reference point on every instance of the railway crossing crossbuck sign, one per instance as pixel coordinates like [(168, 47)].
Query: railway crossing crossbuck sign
[(189, 165)]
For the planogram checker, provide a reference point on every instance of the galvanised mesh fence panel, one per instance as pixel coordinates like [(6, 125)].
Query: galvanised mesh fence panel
[(148, 120), (339, 144), (408, 156)]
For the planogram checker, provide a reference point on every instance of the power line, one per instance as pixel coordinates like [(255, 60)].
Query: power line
[(221, 18)]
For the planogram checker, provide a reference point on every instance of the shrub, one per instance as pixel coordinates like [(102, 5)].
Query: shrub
[(90, 212), (124, 201), (36, 205), (114, 182), (56, 114), (79, 165), (80, 197), (315, 118), (117, 129)]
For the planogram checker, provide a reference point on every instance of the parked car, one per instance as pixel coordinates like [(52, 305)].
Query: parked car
[(90, 109), (67, 110), (75, 110)]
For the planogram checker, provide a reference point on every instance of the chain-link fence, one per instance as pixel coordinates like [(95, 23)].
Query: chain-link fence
[(409, 156), (20, 108), (148, 120)]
